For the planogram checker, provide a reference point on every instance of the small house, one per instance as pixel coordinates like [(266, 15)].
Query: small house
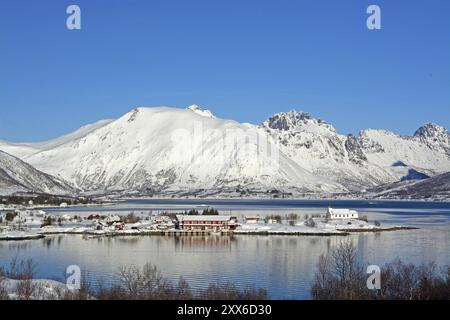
[(251, 219), (112, 219)]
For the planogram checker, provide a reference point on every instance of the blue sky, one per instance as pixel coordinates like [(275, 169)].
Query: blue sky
[(245, 60)]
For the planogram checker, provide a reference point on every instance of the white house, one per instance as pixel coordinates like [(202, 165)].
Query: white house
[(341, 214), (111, 219), (66, 217)]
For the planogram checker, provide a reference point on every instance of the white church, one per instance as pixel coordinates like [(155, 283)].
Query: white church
[(334, 214)]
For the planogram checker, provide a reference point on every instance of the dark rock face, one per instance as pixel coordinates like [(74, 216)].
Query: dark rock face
[(431, 131), (287, 120), (354, 150), (133, 115), (435, 136)]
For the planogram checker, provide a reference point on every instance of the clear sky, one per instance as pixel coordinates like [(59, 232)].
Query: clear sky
[(243, 59)]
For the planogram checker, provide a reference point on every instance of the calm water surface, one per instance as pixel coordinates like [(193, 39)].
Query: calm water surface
[(284, 265)]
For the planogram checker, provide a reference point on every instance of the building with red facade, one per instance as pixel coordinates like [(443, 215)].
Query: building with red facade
[(206, 222)]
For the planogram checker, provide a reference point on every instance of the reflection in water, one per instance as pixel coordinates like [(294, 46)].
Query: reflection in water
[(282, 264), (47, 242), (223, 243)]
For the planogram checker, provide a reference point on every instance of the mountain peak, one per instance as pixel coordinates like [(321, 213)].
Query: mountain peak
[(296, 120), (435, 136), (198, 110), (431, 130)]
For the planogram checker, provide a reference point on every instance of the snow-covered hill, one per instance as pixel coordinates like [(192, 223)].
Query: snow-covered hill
[(190, 151), (18, 176), (435, 188), (23, 150)]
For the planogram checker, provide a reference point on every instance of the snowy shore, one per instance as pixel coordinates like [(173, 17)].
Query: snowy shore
[(20, 235), (320, 228), (42, 289)]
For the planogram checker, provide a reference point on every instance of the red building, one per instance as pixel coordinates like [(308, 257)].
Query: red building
[(206, 222)]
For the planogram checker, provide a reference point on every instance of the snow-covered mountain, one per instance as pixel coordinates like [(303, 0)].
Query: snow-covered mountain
[(175, 150), (372, 158), (18, 176), (190, 151)]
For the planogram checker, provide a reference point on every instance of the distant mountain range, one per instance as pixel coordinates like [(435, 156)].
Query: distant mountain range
[(189, 152), (436, 188)]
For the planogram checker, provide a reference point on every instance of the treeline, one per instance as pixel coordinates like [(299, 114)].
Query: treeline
[(44, 200), (205, 212), (341, 276), (146, 283)]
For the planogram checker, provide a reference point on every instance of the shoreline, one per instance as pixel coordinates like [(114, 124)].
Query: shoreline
[(125, 199), (178, 233), (118, 201)]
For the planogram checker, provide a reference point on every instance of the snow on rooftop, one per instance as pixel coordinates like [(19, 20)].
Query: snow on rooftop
[(341, 211), (203, 218)]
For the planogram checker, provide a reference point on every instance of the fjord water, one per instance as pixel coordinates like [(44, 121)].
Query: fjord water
[(284, 265)]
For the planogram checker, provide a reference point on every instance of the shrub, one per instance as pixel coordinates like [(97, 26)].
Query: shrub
[(310, 223), (192, 212), (292, 218), (131, 218), (210, 212), (10, 216), (364, 218), (339, 275), (48, 221), (275, 217), (146, 283)]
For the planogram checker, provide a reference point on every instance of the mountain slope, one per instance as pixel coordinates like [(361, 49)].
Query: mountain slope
[(23, 150), (18, 176), (174, 151), (437, 187)]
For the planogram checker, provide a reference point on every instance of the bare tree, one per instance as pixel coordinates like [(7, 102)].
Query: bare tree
[(147, 283), (183, 290), (340, 275), (229, 291), (3, 291)]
